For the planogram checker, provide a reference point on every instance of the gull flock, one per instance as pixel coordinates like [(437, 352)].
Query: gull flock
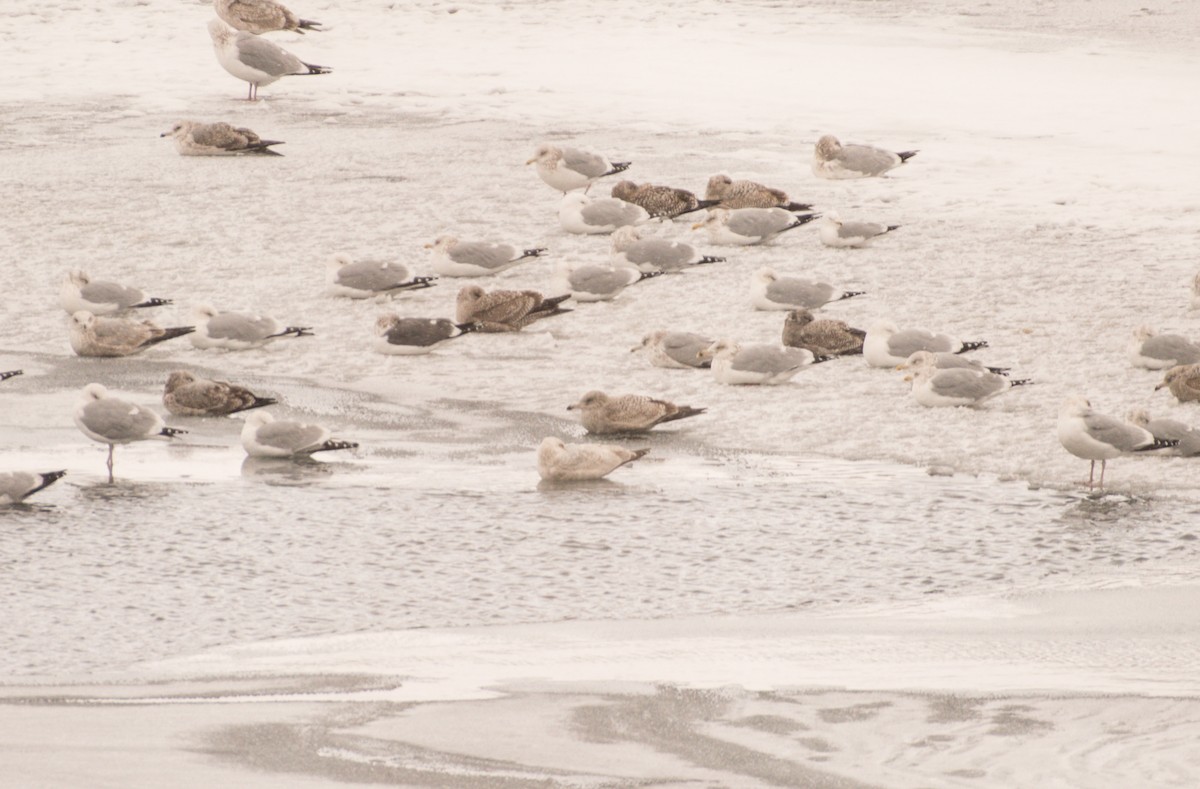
[(739, 213)]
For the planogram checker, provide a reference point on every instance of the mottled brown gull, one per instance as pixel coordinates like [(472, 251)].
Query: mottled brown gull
[(262, 16), (264, 437), (193, 138), (16, 486), (655, 254), (821, 337), (770, 365), (187, 394), (399, 336), (505, 310), (107, 337), (561, 462), (832, 159), (584, 215), (601, 414), (729, 193), (254, 59), (238, 331), (1094, 436), (1187, 436), (566, 168), (887, 345), (1155, 351), (834, 232), (745, 226), (1183, 381), (957, 386), (770, 291), (111, 420), (366, 279), (674, 349), (451, 257), (80, 292), (660, 201)]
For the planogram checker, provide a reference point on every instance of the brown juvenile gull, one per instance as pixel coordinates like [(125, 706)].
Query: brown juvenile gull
[(886, 345), (10, 374), (729, 193), (674, 349), (946, 361), (745, 226), (15, 486), (367, 278), (504, 310), (936, 387), (561, 462), (660, 201), (187, 394), (1188, 437), (592, 282), (264, 437), (566, 168), (1183, 380), (836, 233), (823, 337), (193, 138), (111, 420), (262, 16), (770, 291), (578, 213), (454, 258), (254, 59), (770, 365), (629, 413), (80, 292), (1156, 351), (413, 336), (1092, 436), (833, 160), (655, 254), (237, 331), (101, 336)]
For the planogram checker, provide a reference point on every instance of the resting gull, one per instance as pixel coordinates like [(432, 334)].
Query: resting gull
[(655, 254), (505, 310), (770, 291), (674, 349), (454, 258), (80, 292), (414, 336), (769, 365), (16, 486), (934, 386), (821, 337), (729, 193), (262, 16), (264, 437), (1092, 436), (371, 278), (1183, 381), (561, 462), (193, 138), (238, 331), (1188, 437), (255, 60), (107, 336), (592, 282), (887, 345), (111, 420), (833, 160), (583, 215), (601, 414), (660, 201), (836, 233), (566, 168), (187, 394), (745, 226), (1156, 351)]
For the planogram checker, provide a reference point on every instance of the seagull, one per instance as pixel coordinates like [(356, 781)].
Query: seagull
[(264, 437), (655, 254), (187, 394), (822, 337), (601, 414), (1156, 351), (1188, 437), (111, 420), (1183, 381), (583, 215), (674, 349), (505, 310), (368, 278), (836, 233), (592, 282), (1092, 436), (933, 386), (769, 291), (262, 16), (660, 201), (561, 462), (769, 365), (193, 138), (11, 374), (105, 336), (729, 193), (16, 486), (79, 292), (567, 169), (454, 258), (255, 60), (413, 336), (833, 160), (944, 360), (887, 346), (745, 226), (237, 331)]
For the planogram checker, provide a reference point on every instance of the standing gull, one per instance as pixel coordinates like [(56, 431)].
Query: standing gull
[(80, 292), (769, 291), (454, 258), (748, 194), (886, 345), (254, 59), (655, 254), (935, 387), (187, 394), (1186, 436), (566, 168), (264, 437), (674, 349), (414, 336), (10, 374), (367, 278), (660, 201), (193, 138), (583, 215), (592, 282), (262, 16), (561, 462), (505, 310), (745, 226), (601, 414), (822, 337), (1092, 436), (756, 364), (107, 337), (237, 331), (836, 233), (1183, 381), (16, 486), (833, 160), (111, 420), (1156, 351)]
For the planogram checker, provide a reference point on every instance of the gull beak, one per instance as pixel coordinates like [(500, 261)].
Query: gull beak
[(635, 349), (908, 378), (429, 246), (164, 134), (573, 406), (901, 366), (531, 161), (1160, 386), (697, 226)]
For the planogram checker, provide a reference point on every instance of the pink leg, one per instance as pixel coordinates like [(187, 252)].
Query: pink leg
[(110, 463), (1103, 463), (1091, 475)]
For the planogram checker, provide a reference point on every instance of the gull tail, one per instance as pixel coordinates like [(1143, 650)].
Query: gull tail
[(972, 345), (906, 155), (1159, 443), (851, 294), (332, 444), (999, 370), (152, 303), (797, 207), (466, 328), (416, 283), (48, 479), (171, 432), (295, 331), (709, 259), (308, 24), (684, 412), (1021, 382), (552, 302), (257, 402), (262, 147), (11, 374), (530, 253), (312, 69), (822, 358), (648, 275), (802, 219), (168, 334), (618, 167), (890, 228), (637, 454), (700, 206)]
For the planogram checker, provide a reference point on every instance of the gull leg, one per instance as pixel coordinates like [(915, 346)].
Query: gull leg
[(1091, 475), (110, 463), (1103, 463)]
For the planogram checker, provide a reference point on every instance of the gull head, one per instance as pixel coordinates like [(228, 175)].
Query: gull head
[(766, 275), (801, 317), (384, 323), (623, 190), (81, 321), (550, 448), (443, 243), (625, 237), (718, 349), (1143, 333), (918, 360), (1075, 405), (76, 277), (717, 185), (1139, 417), (204, 312), (715, 218), (885, 327), (93, 392), (832, 218), (337, 261), (179, 378), (545, 155), (827, 147), (651, 339), (179, 130), (470, 294), (593, 399), (220, 32)]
